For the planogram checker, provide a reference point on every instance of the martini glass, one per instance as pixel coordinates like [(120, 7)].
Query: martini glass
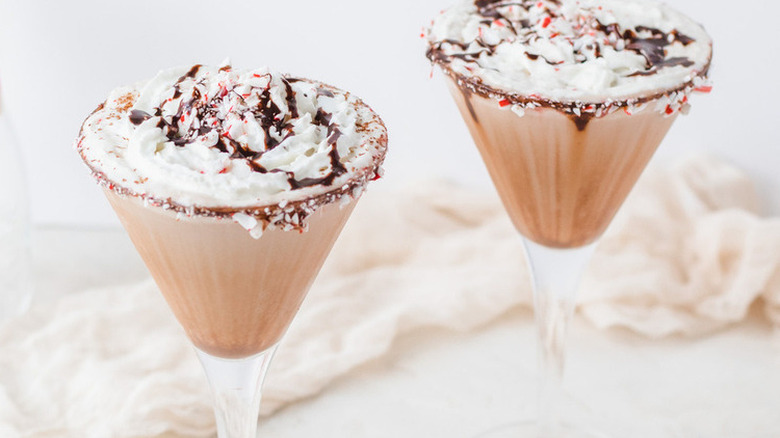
[(562, 170), (235, 277)]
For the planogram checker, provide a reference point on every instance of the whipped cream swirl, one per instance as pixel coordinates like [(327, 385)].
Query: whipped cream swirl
[(571, 51), (212, 140)]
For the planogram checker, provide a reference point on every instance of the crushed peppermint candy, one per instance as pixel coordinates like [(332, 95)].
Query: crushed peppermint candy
[(245, 220), (258, 147)]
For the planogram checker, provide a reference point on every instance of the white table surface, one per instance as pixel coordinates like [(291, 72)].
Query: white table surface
[(444, 384)]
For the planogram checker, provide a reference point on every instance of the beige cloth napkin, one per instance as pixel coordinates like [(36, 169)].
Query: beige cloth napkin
[(686, 255)]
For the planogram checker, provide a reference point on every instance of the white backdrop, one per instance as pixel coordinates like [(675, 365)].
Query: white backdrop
[(58, 60)]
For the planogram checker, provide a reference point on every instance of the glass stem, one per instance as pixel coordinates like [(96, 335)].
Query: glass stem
[(556, 274), (236, 385)]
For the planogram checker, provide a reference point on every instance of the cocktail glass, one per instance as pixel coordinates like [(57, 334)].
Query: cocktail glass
[(234, 293)]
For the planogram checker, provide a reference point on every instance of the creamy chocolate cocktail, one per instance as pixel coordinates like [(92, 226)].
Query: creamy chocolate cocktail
[(233, 186), (568, 100)]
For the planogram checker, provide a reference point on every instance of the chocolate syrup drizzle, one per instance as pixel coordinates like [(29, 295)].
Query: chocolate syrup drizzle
[(288, 215), (270, 117), (652, 47)]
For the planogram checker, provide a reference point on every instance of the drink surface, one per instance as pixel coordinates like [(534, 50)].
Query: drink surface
[(257, 146)]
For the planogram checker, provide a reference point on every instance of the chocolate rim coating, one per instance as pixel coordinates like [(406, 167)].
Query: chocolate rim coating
[(600, 108), (282, 213)]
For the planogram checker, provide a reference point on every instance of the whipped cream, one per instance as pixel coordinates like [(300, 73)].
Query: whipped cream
[(216, 141), (572, 51)]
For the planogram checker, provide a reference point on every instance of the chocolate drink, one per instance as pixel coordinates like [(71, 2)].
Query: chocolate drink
[(233, 186), (561, 182), (233, 294), (567, 101)]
